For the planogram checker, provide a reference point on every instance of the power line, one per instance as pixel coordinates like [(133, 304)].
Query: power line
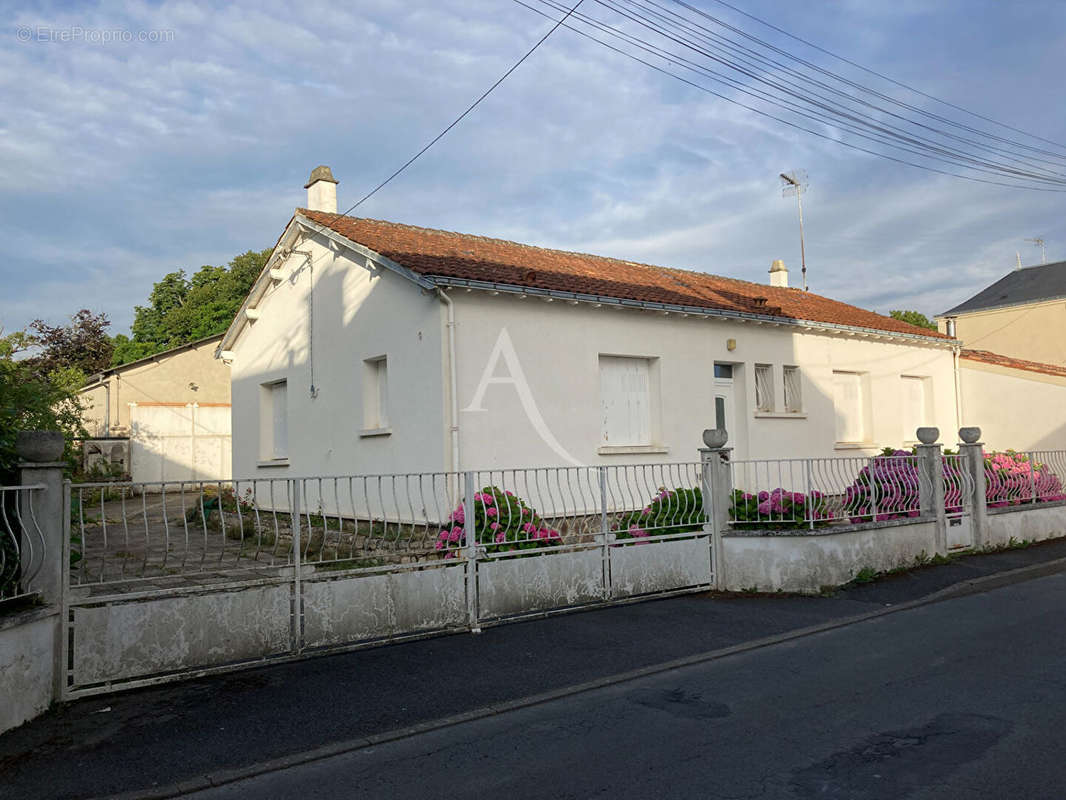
[(876, 73), (470, 108), (891, 131), (673, 58)]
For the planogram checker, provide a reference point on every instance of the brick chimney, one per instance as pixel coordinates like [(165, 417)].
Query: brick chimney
[(778, 274), (322, 190)]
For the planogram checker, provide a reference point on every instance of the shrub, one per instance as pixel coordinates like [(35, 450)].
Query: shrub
[(1011, 478), (502, 522), (779, 509), (670, 511), (888, 484)]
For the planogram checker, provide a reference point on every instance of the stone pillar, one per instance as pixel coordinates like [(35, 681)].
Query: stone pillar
[(931, 491), (972, 456), (716, 488), (40, 453)]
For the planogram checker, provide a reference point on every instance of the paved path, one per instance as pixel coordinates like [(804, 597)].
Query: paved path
[(178, 732), (958, 699)]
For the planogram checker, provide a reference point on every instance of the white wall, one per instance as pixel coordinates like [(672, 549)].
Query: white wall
[(27, 664), (557, 347), (357, 315), (1015, 409)]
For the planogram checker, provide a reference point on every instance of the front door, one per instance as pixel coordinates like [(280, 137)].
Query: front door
[(724, 408)]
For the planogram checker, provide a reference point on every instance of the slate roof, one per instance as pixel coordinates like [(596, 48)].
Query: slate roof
[(443, 254), (1021, 286), (986, 357)]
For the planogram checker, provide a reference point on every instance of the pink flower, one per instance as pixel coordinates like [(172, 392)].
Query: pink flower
[(439, 545), (646, 511), (442, 536), (495, 526), (500, 537), (529, 527), (491, 512), (554, 534), (526, 512), (509, 494), (488, 500), (450, 554), (459, 515), (455, 534)]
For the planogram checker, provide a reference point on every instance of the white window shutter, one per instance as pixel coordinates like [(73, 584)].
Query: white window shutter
[(848, 404), (625, 401)]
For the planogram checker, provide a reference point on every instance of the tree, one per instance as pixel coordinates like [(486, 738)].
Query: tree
[(914, 318), (82, 345), (182, 309), (32, 399)]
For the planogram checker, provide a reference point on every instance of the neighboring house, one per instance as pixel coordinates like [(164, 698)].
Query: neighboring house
[(1018, 404), (1022, 315), (374, 347), (164, 417)]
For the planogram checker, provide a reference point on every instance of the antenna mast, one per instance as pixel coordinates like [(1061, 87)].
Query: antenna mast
[(1043, 248), (795, 183)]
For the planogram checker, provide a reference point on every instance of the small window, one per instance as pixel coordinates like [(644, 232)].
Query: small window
[(793, 390), (849, 404), (764, 387), (625, 401), (376, 393), (916, 411), (723, 371), (274, 421)]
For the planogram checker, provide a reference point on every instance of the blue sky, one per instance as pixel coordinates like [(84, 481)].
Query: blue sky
[(120, 161)]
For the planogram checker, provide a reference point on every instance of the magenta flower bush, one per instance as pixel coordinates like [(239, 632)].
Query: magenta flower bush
[(887, 486), (502, 522), (670, 511), (1011, 479), (779, 509)]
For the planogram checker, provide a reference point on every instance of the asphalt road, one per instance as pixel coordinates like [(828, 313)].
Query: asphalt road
[(964, 698)]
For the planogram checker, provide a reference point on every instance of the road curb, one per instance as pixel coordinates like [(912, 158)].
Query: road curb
[(223, 777)]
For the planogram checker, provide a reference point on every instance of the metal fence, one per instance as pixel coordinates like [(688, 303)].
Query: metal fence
[(171, 532), (814, 492), (1013, 478), (22, 545)]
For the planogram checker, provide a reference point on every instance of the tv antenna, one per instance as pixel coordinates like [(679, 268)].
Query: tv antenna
[(795, 183), (1043, 248)]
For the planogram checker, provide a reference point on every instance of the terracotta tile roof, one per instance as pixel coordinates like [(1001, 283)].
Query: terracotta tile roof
[(985, 357), (457, 255)]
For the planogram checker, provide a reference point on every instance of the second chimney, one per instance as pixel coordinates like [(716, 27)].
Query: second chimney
[(322, 190), (778, 274)]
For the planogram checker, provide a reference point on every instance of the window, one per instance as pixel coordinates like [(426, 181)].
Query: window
[(764, 387), (916, 411), (849, 400), (376, 394), (274, 421), (793, 390), (723, 371), (625, 401)]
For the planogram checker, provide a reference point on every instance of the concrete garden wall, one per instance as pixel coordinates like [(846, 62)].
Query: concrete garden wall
[(805, 561), (28, 643)]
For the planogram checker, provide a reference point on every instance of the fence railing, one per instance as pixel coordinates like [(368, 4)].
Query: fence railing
[(22, 544), (1014, 478), (814, 492), (174, 531)]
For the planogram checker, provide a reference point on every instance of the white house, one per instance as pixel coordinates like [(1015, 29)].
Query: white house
[(374, 347)]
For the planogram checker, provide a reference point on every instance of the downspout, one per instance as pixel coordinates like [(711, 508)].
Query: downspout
[(958, 386), (452, 381)]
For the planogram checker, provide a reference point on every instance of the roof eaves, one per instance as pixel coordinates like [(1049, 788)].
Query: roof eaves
[(955, 312), (363, 250), (649, 305)]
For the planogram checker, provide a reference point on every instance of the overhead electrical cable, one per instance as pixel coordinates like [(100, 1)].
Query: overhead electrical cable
[(824, 105), (470, 108), (673, 58), (878, 74)]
